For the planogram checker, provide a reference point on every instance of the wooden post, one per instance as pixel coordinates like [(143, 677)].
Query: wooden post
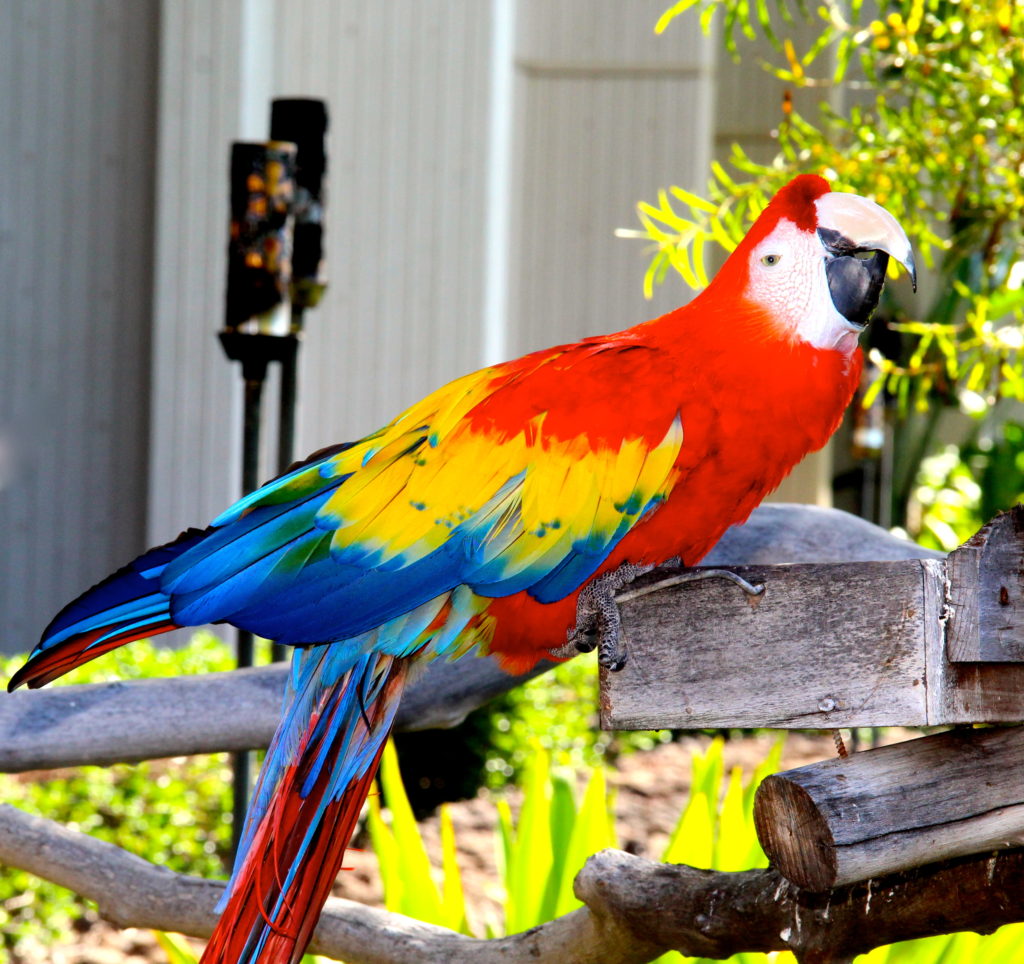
[(891, 809), (985, 598)]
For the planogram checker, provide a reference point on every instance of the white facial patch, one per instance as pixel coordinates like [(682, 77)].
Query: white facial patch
[(787, 276)]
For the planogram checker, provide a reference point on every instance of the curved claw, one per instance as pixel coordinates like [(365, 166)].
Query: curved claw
[(598, 624), (582, 642)]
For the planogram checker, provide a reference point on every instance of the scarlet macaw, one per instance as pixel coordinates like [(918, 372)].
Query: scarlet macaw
[(474, 518)]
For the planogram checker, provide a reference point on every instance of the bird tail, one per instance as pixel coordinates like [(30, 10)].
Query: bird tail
[(125, 606), (315, 778)]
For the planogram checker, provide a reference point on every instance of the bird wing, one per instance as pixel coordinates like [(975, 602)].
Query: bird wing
[(448, 494)]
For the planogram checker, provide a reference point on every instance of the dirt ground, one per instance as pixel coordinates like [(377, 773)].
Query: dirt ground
[(651, 789)]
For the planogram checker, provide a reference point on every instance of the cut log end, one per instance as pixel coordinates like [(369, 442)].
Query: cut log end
[(894, 808), (795, 835)]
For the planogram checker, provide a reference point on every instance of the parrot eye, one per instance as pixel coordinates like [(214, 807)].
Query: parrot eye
[(769, 259)]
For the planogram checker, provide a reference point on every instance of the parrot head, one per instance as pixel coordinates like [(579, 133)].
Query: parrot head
[(814, 262)]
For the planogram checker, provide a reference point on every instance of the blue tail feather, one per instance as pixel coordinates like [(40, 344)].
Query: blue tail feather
[(123, 607)]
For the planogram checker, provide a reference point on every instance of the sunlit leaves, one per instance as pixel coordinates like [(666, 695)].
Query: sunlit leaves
[(938, 145)]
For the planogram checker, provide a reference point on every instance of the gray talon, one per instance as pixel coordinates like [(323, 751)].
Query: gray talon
[(583, 642), (614, 667), (598, 624)]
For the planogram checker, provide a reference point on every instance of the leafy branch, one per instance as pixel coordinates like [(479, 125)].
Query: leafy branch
[(939, 144)]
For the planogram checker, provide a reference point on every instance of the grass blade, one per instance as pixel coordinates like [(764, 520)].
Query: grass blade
[(419, 896), (562, 820), (530, 853), (453, 900), (692, 840), (593, 829)]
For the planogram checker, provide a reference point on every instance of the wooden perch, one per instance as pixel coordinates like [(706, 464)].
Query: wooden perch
[(894, 808), (124, 722), (829, 644), (635, 909), (144, 719)]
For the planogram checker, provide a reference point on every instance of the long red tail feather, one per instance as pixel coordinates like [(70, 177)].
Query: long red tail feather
[(299, 845)]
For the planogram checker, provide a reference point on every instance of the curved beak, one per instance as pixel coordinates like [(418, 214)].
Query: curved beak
[(859, 236)]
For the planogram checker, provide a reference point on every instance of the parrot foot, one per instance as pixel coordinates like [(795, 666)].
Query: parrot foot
[(598, 622)]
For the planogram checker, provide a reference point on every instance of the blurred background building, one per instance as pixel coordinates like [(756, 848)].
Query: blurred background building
[(481, 155)]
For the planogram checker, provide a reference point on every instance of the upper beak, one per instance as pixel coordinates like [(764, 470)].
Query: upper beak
[(848, 226), (855, 224)]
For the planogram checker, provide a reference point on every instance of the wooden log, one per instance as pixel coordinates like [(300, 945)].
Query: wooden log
[(128, 721), (894, 808)]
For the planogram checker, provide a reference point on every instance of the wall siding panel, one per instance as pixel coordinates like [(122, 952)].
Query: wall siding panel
[(607, 113), (194, 465), (75, 230), (406, 85)]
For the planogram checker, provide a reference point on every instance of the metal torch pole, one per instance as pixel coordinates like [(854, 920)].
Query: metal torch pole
[(303, 122), (257, 328)]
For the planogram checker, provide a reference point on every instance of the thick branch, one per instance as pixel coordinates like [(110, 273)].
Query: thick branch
[(715, 914), (144, 719), (635, 909), (124, 722), (131, 892)]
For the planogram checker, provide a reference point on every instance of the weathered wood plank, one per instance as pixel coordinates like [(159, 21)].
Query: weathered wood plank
[(826, 645), (964, 692), (891, 809), (957, 628), (985, 604)]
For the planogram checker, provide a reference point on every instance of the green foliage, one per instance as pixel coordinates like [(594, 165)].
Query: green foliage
[(175, 813), (937, 143), (404, 866), (176, 947), (541, 852), (558, 710), (960, 488)]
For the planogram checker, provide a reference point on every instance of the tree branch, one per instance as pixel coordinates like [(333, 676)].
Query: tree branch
[(636, 909), (717, 914), (131, 892), (129, 721)]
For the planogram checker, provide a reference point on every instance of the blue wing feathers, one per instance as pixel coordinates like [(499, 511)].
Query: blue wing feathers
[(271, 564), (231, 548), (131, 591)]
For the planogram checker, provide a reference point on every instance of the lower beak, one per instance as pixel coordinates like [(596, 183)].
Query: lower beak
[(855, 285), (859, 236)]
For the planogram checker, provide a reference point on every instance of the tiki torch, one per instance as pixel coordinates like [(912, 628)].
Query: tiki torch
[(304, 123), (257, 327)]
